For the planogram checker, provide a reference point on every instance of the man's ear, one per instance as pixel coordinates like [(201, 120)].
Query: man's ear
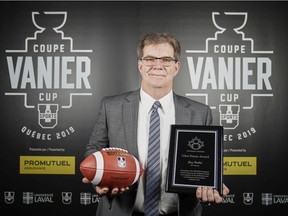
[(177, 68)]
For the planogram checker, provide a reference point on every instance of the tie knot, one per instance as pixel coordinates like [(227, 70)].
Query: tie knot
[(156, 105)]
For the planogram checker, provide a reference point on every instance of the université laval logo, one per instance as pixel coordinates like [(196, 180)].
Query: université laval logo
[(48, 73), (229, 74)]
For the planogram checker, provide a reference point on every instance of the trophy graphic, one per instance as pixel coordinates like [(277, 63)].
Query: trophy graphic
[(229, 23), (49, 21)]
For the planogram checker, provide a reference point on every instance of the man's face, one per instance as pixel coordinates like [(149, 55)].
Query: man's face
[(157, 75)]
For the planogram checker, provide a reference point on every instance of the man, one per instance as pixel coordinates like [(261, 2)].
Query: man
[(123, 122)]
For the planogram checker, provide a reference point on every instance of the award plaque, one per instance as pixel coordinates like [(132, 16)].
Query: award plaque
[(195, 158)]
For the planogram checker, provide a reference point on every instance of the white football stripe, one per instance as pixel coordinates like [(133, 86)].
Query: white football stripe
[(137, 170), (99, 168)]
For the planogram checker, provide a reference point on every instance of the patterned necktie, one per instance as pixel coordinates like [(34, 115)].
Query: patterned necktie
[(153, 164)]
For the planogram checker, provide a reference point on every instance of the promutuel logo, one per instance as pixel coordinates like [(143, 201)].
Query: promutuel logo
[(230, 74), (48, 73)]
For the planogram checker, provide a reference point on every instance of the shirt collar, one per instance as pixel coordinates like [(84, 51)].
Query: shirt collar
[(148, 101)]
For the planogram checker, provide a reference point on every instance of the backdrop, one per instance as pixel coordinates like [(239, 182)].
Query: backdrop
[(58, 59)]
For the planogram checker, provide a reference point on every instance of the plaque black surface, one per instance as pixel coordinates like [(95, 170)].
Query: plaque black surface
[(195, 158)]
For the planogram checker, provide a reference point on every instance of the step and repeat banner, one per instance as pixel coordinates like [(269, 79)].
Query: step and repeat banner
[(58, 59)]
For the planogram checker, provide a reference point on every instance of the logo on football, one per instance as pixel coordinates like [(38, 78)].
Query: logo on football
[(111, 167)]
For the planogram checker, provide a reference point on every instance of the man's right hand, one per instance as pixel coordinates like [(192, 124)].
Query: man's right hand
[(105, 190)]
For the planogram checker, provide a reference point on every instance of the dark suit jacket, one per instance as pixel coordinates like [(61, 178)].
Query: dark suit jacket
[(116, 126)]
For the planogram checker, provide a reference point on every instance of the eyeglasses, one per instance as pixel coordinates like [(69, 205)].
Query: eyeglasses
[(165, 61)]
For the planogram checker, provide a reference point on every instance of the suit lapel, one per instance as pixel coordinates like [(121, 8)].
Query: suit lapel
[(182, 114), (130, 117)]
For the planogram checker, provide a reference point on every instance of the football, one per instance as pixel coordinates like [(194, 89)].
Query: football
[(111, 167)]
